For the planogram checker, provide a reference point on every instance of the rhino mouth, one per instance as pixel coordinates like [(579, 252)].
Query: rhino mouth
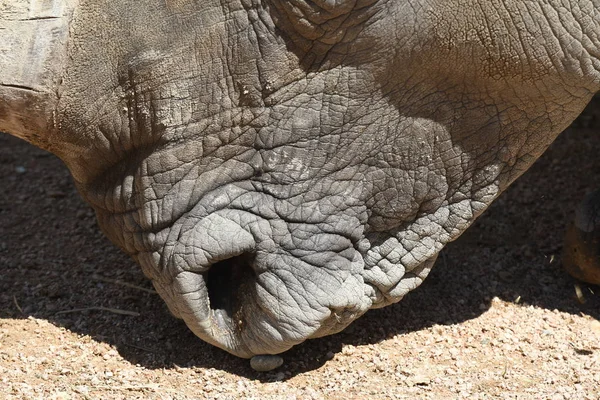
[(228, 283)]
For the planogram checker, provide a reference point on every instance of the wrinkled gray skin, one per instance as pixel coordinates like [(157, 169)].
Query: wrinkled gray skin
[(277, 168)]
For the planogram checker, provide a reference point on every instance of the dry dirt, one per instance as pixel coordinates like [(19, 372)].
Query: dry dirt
[(497, 318)]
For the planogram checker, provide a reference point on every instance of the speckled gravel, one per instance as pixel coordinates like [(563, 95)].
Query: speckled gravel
[(500, 354), (497, 318)]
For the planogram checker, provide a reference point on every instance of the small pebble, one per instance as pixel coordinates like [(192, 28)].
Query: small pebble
[(266, 363), (279, 377)]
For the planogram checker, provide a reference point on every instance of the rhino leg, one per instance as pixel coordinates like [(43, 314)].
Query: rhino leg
[(581, 251)]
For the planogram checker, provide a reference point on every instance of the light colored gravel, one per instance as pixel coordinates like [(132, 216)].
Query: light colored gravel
[(499, 354)]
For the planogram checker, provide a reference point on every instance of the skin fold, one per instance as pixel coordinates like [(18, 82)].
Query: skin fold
[(277, 168)]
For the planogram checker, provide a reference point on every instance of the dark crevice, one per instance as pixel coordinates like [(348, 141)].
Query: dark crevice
[(41, 18), (228, 282), (20, 87)]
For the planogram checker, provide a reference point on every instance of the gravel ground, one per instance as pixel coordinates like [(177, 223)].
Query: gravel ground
[(497, 318)]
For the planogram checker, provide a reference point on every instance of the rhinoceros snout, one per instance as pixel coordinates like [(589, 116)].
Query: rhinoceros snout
[(253, 285)]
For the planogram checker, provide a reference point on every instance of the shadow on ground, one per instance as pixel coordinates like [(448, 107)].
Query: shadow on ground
[(53, 259)]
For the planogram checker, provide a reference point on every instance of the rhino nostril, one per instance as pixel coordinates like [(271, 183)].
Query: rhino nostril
[(227, 283)]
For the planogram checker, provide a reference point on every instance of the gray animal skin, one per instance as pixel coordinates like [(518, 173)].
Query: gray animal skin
[(279, 167)]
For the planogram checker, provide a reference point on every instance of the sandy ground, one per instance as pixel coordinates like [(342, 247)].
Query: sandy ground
[(497, 318)]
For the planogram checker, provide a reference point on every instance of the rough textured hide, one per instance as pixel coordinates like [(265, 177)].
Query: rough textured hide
[(32, 58), (278, 168)]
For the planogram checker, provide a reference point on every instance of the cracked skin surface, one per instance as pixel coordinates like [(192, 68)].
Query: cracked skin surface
[(279, 168)]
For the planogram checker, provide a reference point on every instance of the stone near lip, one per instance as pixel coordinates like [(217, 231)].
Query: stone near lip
[(265, 363)]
